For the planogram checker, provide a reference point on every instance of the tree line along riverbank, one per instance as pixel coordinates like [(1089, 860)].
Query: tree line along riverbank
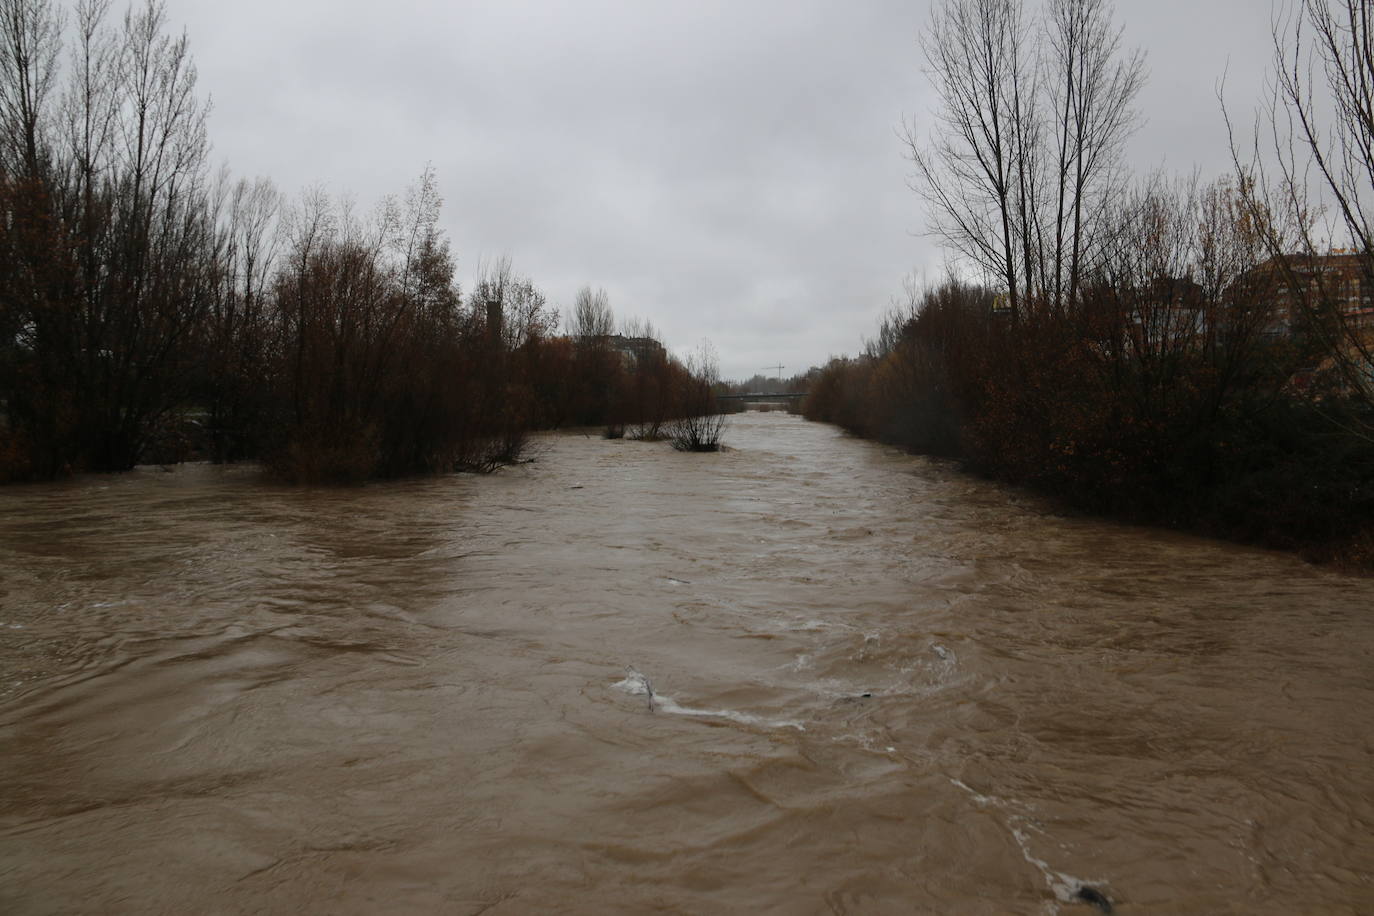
[(1170, 350), (152, 309), (1211, 436), (1164, 349)]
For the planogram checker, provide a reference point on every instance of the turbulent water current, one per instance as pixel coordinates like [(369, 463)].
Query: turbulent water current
[(805, 675)]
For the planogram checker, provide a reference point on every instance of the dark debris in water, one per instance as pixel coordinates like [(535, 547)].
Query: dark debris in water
[(1094, 896), (867, 694)]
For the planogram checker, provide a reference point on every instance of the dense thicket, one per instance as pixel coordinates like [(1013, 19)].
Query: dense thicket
[(109, 232), (151, 310), (1174, 391)]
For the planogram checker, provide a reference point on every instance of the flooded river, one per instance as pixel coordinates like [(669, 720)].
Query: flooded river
[(806, 675)]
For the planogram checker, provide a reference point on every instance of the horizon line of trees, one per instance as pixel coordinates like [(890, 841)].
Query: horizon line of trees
[(1158, 348), (151, 307)]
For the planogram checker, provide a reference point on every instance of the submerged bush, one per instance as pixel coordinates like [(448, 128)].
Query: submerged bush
[(700, 422), (699, 433)]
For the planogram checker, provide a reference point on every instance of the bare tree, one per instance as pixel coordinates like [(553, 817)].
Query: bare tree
[(974, 172), (647, 391), (700, 422), (91, 102), (30, 43), (516, 312), (1176, 317), (1090, 87), (112, 226), (639, 327), (37, 412), (418, 247), (591, 315), (237, 332), (1032, 120)]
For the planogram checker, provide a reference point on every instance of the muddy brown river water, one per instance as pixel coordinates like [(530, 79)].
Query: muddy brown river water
[(806, 675)]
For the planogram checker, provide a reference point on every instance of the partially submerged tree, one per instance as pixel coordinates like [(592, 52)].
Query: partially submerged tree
[(237, 334), (108, 231), (380, 369), (700, 422), (143, 299), (590, 325)]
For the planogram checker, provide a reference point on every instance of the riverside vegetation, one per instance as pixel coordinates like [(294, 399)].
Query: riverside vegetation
[(152, 309), (1166, 350)]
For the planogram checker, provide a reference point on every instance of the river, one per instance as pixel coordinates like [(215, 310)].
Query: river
[(808, 674)]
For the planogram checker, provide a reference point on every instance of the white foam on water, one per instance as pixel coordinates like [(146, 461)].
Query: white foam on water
[(637, 685), (984, 800), (1063, 885), (796, 624), (668, 704)]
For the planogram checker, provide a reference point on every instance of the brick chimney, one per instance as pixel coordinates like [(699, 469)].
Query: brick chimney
[(494, 319)]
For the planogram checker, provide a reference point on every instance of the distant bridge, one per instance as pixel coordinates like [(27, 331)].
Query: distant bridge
[(760, 396)]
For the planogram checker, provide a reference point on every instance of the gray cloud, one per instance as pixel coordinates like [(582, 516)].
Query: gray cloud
[(727, 170)]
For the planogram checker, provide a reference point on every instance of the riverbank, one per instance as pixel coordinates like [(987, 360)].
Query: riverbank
[(1312, 504), (1208, 438), (1320, 521)]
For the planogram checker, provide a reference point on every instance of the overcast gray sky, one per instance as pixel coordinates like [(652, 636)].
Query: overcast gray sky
[(729, 171)]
